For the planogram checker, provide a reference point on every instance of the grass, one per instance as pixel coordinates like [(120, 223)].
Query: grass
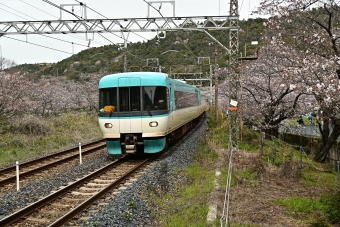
[(32, 136), (301, 205), (188, 206), (326, 207)]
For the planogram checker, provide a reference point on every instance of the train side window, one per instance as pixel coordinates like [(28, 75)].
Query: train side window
[(185, 99), (155, 98)]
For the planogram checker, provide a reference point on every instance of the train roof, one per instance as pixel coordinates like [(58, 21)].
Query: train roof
[(134, 79), (143, 79)]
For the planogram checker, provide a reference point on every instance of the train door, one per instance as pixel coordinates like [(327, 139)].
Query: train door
[(171, 106), (130, 105)]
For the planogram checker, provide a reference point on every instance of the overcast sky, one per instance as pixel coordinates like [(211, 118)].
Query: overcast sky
[(31, 10)]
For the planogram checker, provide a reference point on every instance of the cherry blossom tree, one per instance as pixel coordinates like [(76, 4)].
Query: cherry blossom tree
[(312, 27), (271, 93), (6, 63), (14, 89), (89, 91)]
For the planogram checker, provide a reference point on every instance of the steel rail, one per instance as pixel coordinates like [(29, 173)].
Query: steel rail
[(31, 172), (34, 206), (81, 207)]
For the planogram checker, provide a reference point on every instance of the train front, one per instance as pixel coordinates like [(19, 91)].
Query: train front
[(134, 110)]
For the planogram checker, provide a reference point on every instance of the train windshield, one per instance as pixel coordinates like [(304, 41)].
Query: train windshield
[(134, 99)]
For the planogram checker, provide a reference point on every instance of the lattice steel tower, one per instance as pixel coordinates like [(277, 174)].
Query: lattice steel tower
[(234, 80)]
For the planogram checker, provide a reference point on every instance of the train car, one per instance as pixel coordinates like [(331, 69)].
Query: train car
[(143, 112)]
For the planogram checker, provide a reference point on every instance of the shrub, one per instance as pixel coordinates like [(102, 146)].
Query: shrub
[(30, 125), (332, 206)]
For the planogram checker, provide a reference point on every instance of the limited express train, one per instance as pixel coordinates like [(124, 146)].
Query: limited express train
[(143, 112)]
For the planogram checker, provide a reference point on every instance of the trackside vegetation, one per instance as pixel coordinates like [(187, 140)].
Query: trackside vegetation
[(32, 136), (308, 196)]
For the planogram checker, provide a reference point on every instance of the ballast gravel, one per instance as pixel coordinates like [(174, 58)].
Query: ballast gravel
[(128, 208), (32, 192)]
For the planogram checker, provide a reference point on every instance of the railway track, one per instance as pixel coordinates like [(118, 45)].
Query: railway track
[(8, 175), (61, 206)]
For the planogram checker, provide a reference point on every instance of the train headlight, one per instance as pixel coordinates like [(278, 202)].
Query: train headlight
[(153, 124), (108, 125)]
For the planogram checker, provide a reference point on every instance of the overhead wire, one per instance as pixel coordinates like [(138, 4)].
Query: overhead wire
[(15, 11), (78, 17), (37, 44), (40, 34), (158, 10), (71, 35), (125, 40), (105, 17), (37, 8)]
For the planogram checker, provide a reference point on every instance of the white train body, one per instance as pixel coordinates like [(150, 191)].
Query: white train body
[(143, 111)]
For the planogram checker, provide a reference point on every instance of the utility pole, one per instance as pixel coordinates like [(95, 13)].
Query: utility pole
[(233, 112), (211, 76), (1, 58), (234, 81), (125, 63), (216, 86)]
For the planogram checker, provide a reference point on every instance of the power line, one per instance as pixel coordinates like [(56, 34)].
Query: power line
[(113, 33), (74, 36), (78, 17), (16, 11), (158, 10), (38, 9), (13, 13), (64, 41), (37, 45), (37, 19), (61, 8), (105, 17)]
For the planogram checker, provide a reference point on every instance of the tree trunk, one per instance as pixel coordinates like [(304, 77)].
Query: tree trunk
[(327, 140), (273, 132)]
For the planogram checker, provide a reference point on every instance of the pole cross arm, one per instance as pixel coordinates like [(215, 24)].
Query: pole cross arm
[(115, 25)]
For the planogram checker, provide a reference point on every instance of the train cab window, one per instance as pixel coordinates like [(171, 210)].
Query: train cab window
[(129, 99), (135, 98), (123, 99), (107, 98), (155, 98)]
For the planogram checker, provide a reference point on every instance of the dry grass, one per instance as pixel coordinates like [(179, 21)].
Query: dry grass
[(31, 136), (252, 198)]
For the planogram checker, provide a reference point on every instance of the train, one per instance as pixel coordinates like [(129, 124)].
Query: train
[(144, 112)]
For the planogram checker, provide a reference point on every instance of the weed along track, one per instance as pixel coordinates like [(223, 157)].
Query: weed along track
[(61, 206), (38, 168)]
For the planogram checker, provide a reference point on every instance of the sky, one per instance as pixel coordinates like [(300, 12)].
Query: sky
[(18, 48)]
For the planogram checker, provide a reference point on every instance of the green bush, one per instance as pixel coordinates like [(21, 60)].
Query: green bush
[(332, 206)]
